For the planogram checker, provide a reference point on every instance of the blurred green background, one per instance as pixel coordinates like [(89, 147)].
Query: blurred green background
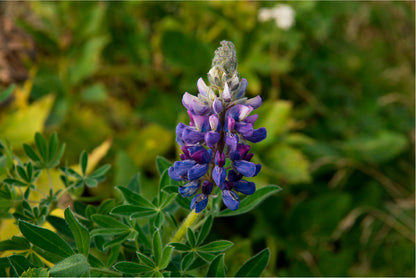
[(338, 85)]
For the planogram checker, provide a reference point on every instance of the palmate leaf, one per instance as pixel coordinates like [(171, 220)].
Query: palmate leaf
[(45, 239), (162, 164), (16, 243), (19, 263), (157, 247), (251, 201), (255, 265), (134, 198), (206, 227)]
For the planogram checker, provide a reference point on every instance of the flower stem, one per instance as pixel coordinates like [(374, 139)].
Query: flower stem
[(189, 220)]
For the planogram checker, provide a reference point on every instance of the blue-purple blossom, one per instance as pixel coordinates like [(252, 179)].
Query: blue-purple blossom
[(220, 127)]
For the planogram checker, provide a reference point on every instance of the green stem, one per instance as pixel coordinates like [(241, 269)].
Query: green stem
[(189, 220)]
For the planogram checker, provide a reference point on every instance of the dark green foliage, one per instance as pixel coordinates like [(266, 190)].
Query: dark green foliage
[(338, 92)]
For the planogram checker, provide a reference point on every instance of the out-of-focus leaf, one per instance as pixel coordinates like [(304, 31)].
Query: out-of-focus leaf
[(378, 148), (6, 93), (255, 265), (253, 200), (16, 243), (72, 266), (87, 63), (162, 164), (288, 163), (95, 93), (19, 126)]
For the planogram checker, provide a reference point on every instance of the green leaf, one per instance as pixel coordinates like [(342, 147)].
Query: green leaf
[(255, 265), (187, 261), (145, 259), (206, 256), (162, 164), (217, 267), (164, 179), (108, 221), (45, 239), (81, 235), (19, 263), (53, 146), (190, 235), (100, 171), (134, 198), (168, 200), (117, 241), (108, 231), (31, 153), (6, 93), (83, 162), (206, 227), (91, 182), (134, 184), (166, 255), (157, 247), (131, 268), (22, 173), (133, 211), (16, 243), (251, 201), (42, 146), (180, 246), (72, 266), (14, 182), (216, 246)]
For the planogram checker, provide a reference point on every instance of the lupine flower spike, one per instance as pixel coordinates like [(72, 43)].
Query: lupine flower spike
[(219, 129)]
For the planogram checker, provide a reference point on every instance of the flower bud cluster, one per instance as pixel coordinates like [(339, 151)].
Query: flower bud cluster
[(219, 130)]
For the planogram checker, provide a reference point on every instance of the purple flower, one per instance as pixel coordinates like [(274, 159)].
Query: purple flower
[(214, 144)]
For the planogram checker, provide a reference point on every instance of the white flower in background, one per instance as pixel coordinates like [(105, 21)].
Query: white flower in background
[(282, 14)]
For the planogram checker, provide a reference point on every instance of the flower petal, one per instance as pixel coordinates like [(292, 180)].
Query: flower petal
[(199, 154), (195, 105), (258, 135), (246, 129), (226, 94), (202, 87), (234, 176), (245, 187), (201, 123), (211, 138), (243, 86), (207, 188), (218, 175), (255, 102), (192, 136), (239, 112), (219, 159), (189, 189), (251, 119), (199, 202), (230, 199), (173, 175), (245, 168), (197, 171), (217, 105), (214, 122), (182, 167), (231, 140)]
